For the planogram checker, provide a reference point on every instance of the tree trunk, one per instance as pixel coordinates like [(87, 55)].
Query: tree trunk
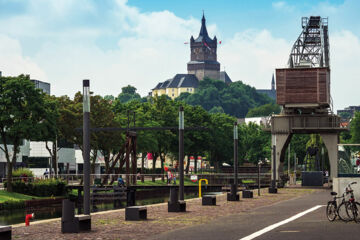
[(187, 165), (9, 177), (142, 166), (153, 167), (162, 159), (195, 163), (93, 161), (54, 159), (10, 165)]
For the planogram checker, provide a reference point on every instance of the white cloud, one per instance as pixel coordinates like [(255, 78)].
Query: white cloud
[(13, 62), (344, 61), (252, 56), (148, 48), (283, 6)]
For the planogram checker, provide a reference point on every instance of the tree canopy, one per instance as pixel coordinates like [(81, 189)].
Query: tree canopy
[(264, 110), (24, 114), (234, 99)]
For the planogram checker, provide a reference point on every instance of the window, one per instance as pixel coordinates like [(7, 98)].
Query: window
[(173, 90), (172, 94)]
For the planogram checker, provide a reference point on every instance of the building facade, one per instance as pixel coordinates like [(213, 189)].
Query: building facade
[(44, 86), (203, 55)]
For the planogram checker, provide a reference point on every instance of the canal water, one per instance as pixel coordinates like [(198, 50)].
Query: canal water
[(16, 216)]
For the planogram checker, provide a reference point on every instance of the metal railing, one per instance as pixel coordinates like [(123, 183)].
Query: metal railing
[(222, 179)]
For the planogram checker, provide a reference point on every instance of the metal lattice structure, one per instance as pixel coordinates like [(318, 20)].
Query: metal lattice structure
[(311, 49)]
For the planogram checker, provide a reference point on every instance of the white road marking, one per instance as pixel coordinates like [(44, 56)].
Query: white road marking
[(271, 227)]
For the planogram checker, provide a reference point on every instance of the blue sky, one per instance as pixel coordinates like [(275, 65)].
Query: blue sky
[(140, 42)]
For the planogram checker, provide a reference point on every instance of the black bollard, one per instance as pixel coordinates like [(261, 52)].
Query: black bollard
[(69, 224), (173, 199), (233, 195), (130, 197)]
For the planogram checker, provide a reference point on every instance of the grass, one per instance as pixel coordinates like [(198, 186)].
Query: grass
[(248, 181), (12, 196), (187, 182)]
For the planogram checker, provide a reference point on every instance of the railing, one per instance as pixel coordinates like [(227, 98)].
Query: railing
[(222, 179)]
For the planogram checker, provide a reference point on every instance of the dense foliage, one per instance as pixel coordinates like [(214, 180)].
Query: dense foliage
[(23, 172), (264, 110), (40, 188), (234, 99), (25, 114), (215, 106)]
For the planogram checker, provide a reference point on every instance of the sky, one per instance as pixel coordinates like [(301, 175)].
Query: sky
[(140, 42)]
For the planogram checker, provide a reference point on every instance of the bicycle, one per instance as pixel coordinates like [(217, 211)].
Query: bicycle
[(333, 210), (352, 206)]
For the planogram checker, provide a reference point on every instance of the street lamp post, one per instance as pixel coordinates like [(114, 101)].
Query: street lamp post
[(259, 170), (236, 169), (86, 145), (181, 152), (273, 188), (233, 196)]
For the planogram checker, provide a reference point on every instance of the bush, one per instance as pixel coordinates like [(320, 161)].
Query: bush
[(22, 172), (41, 188), (12, 204)]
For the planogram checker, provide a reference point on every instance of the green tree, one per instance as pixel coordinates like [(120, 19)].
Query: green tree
[(235, 99), (23, 115), (109, 97), (195, 141), (264, 110), (255, 144), (355, 128), (221, 139), (128, 93)]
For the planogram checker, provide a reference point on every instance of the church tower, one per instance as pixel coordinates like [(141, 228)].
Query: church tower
[(273, 83), (203, 59)]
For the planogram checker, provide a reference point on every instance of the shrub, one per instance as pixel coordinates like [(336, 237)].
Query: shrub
[(41, 188), (12, 204), (22, 172)]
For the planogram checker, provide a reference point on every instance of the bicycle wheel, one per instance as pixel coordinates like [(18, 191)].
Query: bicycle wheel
[(356, 211), (331, 211), (345, 212)]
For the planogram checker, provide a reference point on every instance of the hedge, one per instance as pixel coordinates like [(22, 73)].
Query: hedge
[(12, 204), (22, 172), (40, 188)]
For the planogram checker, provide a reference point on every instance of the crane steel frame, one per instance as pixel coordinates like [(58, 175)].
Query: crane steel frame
[(311, 49)]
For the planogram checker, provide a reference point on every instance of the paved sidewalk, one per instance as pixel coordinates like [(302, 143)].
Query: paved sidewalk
[(111, 224)]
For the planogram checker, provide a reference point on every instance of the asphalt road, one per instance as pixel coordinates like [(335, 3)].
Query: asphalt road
[(313, 225)]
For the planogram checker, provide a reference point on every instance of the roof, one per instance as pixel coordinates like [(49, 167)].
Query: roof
[(224, 77), (203, 35), (184, 80), (271, 93), (179, 80), (162, 85)]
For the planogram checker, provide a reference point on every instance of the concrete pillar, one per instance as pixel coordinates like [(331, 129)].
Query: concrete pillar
[(331, 142), (281, 142)]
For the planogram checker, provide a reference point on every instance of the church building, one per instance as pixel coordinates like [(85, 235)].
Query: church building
[(271, 93), (203, 64)]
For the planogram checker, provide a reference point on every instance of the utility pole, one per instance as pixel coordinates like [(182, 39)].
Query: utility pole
[(86, 147), (181, 152)]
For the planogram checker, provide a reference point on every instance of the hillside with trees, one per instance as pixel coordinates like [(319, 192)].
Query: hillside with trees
[(235, 99)]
